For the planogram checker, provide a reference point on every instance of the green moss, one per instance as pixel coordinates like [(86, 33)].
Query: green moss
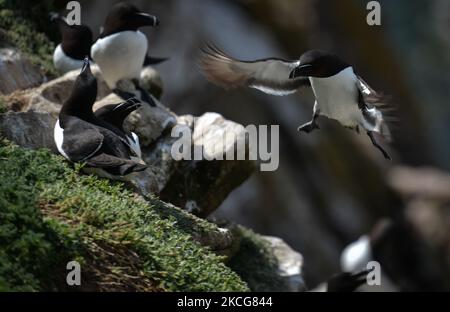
[(25, 25), (29, 248), (49, 214), (255, 263)]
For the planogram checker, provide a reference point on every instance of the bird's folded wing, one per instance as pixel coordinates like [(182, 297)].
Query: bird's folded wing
[(115, 165), (269, 75), (81, 140)]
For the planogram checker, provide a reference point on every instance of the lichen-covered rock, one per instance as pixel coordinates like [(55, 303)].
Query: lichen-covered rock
[(266, 263), (49, 96), (290, 264), (151, 81), (29, 129), (221, 240), (17, 72), (200, 186)]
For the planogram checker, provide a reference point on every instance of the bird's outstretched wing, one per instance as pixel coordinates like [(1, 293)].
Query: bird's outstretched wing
[(370, 99), (268, 75)]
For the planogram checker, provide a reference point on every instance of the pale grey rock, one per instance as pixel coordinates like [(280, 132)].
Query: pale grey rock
[(49, 96), (17, 72), (151, 81), (289, 262), (208, 182), (29, 129)]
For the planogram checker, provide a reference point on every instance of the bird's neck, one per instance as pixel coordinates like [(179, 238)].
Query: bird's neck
[(83, 112)]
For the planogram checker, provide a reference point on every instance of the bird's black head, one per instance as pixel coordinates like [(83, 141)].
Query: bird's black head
[(125, 16), (319, 64), (76, 40), (116, 114), (84, 93)]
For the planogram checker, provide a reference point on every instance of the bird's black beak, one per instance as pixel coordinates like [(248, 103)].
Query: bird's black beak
[(301, 71), (86, 65), (130, 105), (144, 19)]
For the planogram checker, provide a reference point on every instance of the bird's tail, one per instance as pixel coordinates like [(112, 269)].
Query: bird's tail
[(115, 165), (150, 60)]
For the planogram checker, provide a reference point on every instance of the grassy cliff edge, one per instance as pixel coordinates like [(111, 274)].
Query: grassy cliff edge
[(50, 214)]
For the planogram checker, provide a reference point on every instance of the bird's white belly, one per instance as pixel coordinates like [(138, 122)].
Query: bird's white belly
[(337, 97), (135, 145), (120, 56), (64, 63), (58, 135)]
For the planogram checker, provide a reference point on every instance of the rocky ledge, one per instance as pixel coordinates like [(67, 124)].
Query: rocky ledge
[(197, 186)]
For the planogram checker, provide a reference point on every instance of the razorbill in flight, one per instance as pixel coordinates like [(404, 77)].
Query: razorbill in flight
[(121, 49), (76, 42), (115, 114), (340, 94), (82, 137)]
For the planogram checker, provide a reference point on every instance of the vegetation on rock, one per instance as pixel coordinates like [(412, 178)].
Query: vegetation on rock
[(51, 214), (254, 252), (25, 25)]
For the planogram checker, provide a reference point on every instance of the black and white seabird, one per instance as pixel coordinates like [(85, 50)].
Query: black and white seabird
[(368, 248), (76, 42), (115, 114), (340, 94), (81, 137), (121, 50)]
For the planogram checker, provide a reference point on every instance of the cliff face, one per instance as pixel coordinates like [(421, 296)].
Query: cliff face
[(124, 237), (330, 189)]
